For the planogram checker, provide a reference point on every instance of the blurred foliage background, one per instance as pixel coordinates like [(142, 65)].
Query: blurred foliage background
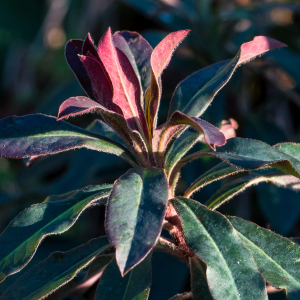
[(263, 96)]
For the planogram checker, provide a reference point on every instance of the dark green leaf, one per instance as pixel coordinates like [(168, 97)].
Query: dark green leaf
[(133, 286), (231, 271), (40, 135), (56, 215), (199, 285), (277, 258), (53, 272), (135, 213), (218, 172), (194, 94)]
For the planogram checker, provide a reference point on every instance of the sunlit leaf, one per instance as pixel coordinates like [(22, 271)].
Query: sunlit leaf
[(55, 271), (231, 271), (194, 94), (276, 257), (56, 215), (135, 214)]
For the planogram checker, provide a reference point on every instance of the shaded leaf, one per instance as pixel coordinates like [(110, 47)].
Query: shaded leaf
[(80, 105), (199, 285), (160, 58), (277, 258), (133, 286), (164, 133), (194, 94), (55, 271), (57, 214), (135, 213), (138, 51), (127, 91), (40, 135), (73, 48), (218, 172), (231, 271)]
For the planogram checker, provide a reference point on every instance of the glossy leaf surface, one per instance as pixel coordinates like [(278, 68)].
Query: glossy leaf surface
[(160, 58), (133, 286), (138, 51), (72, 50), (218, 172), (40, 135), (56, 215), (231, 271), (276, 257), (53, 272), (194, 94), (127, 91), (228, 191), (135, 214)]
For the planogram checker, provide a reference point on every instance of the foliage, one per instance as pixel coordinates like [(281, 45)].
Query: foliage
[(229, 258)]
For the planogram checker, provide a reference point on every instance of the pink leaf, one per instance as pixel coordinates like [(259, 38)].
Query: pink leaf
[(228, 128), (126, 85), (80, 105), (160, 58)]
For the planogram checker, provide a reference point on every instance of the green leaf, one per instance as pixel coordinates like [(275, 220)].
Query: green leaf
[(218, 172), (199, 285), (250, 155), (135, 213), (277, 258), (55, 271), (133, 286), (41, 135), (237, 186), (56, 215), (231, 271), (194, 94)]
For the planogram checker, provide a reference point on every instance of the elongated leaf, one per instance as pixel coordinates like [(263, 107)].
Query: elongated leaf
[(133, 286), (228, 191), (138, 51), (56, 215), (165, 132), (200, 288), (160, 58), (127, 91), (277, 258), (80, 105), (250, 155), (89, 47), (72, 50), (218, 172), (194, 94), (40, 135), (135, 213), (53, 272), (231, 271)]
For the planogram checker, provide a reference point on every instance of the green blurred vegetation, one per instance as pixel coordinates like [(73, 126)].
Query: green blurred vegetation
[(262, 96)]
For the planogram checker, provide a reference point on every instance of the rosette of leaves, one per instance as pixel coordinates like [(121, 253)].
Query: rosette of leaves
[(229, 258)]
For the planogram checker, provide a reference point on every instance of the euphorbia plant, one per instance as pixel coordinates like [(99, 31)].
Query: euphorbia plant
[(229, 258)]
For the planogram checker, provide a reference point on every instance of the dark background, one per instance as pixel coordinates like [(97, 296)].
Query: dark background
[(263, 96)]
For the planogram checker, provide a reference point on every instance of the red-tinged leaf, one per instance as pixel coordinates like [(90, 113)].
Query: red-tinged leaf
[(102, 86), (127, 92), (41, 135), (72, 50), (194, 94), (89, 48), (228, 128), (138, 51), (163, 134), (160, 58), (80, 105)]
